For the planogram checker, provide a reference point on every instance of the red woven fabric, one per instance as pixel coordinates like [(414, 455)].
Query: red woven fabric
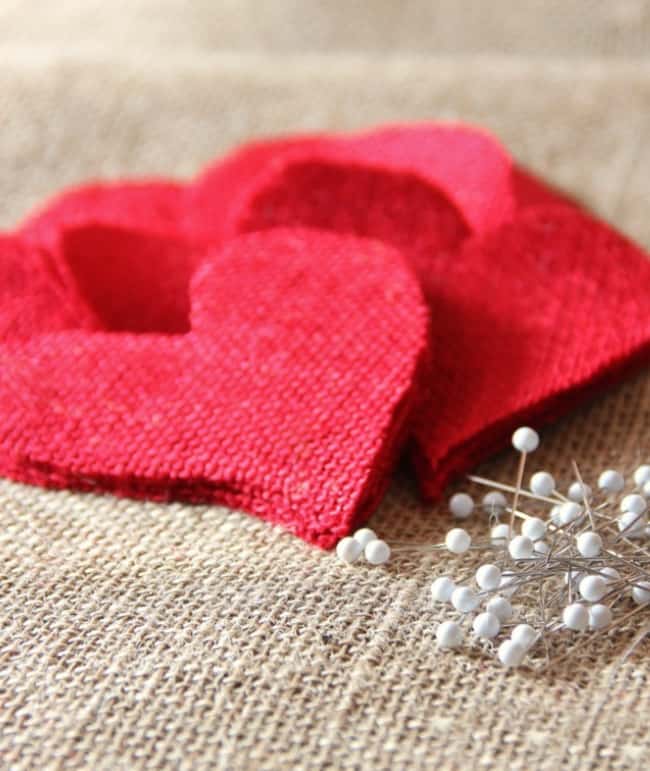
[(278, 379), (119, 319), (528, 190), (463, 166), (525, 298), (544, 310)]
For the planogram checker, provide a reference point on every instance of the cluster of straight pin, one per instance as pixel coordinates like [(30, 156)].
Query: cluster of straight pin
[(552, 562), (555, 562)]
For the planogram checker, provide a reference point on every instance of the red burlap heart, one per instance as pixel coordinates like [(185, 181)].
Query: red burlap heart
[(464, 169), (525, 298), (453, 164), (277, 377), (533, 302), (528, 321)]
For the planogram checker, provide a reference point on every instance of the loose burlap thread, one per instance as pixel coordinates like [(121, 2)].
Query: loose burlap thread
[(147, 636)]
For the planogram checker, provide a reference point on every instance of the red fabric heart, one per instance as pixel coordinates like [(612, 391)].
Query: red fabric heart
[(156, 206), (463, 167), (528, 321), (511, 344), (474, 226), (277, 378), (477, 174)]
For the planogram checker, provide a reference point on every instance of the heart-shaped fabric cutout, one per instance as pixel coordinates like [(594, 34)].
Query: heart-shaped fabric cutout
[(527, 321), (502, 351), (434, 191), (279, 381), (465, 168)]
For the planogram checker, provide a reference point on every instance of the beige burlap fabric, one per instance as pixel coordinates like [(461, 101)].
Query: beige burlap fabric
[(146, 636)]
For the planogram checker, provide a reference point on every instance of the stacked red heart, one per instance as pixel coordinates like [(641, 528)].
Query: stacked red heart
[(273, 334)]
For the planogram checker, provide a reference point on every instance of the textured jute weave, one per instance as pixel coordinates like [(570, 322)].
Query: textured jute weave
[(144, 636)]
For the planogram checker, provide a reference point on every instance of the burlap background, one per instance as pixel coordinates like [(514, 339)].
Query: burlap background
[(148, 636)]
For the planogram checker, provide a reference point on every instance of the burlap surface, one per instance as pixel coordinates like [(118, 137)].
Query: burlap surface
[(567, 28), (150, 636)]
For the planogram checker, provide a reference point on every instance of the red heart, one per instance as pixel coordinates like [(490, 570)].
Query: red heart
[(527, 313), (427, 189), (463, 168), (455, 163), (280, 381), (528, 320), (156, 206)]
